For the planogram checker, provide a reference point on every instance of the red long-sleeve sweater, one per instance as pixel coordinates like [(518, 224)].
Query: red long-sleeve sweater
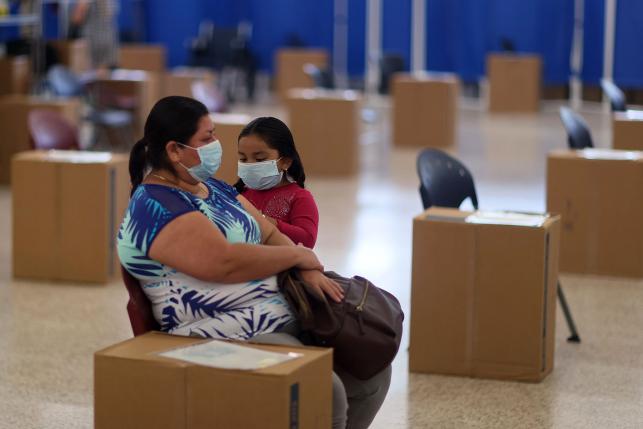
[(294, 209)]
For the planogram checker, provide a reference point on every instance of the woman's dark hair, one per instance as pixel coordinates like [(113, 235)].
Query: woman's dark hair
[(172, 118), (277, 136)]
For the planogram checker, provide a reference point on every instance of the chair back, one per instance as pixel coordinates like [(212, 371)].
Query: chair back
[(615, 95), (444, 181), (139, 308), (50, 130), (578, 134)]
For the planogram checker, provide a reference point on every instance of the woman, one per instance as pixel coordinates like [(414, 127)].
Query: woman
[(272, 178), (207, 259)]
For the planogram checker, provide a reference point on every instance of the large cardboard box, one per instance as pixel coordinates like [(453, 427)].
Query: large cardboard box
[(15, 75), (14, 129), (483, 298), (514, 82), (325, 126), (599, 194), (290, 68), (627, 130), (179, 81), (148, 57), (425, 108), (74, 54), (136, 388), (227, 127), (67, 208)]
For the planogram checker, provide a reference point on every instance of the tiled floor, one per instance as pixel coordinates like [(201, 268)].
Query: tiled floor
[(48, 332)]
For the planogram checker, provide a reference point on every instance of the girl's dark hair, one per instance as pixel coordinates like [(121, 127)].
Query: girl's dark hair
[(277, 136), (172, 118)]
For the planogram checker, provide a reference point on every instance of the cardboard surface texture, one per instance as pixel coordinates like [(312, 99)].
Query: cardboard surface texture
[(627, 130), (227, 127), (599, 194), (79, 199), (425, 109), (14, 128), (289, 63), (179, 81), (325, 126), (74, 54), (514, 82), (148, 57), (15, 75), (134, 387), (483, 300)]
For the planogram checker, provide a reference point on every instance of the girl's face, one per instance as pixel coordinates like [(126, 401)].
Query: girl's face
[(253, 148)]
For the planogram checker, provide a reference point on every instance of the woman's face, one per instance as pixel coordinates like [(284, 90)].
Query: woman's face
[(188, 156), (253, 148)]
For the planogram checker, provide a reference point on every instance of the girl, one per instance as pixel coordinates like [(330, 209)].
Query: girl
[(271, 177)]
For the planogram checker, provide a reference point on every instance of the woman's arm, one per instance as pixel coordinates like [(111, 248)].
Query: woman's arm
[(193, 245)]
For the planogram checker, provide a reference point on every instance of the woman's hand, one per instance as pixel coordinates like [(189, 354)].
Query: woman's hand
[(318, 284), (308, 260)]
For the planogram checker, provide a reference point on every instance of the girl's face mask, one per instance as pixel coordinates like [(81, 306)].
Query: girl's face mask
[(260, 175)]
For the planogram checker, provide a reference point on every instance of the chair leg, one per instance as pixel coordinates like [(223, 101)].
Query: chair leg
[(574, 337)]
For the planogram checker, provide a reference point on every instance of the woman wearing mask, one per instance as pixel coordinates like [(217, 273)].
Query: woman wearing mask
[(272, 178), (207, 259)]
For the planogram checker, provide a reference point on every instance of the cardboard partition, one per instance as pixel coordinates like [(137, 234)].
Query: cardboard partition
[(483, 298), (425, 108), (148, 57), (179, 81), (15, 75), (289, 67), (627, 130), (325, 126), (514, 82), (74, 54), (134, 387), (227, 127), (14, 128), (79, 199), (599, 194)]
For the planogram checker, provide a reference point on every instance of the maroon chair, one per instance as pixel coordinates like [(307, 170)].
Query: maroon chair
[(50, 130), (139, 307)]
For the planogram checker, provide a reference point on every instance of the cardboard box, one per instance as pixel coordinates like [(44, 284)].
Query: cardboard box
[(599, 194), (179, 81), (483, 298), (325, 126), (74, 54), (227, 127), (425, 108), (15, 75), (290, 68), (14, 128), (79, 199), (514, 82), (146, 57), (136, 388), (627, 130)]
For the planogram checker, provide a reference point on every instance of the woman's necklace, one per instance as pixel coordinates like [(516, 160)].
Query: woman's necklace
[(176, 185)]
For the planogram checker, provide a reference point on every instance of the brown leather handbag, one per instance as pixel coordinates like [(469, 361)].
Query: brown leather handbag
[(364, 329)]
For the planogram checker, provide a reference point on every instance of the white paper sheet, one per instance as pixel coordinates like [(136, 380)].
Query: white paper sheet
[(225, 355), (610, 154), (507, 218), (79, 157)]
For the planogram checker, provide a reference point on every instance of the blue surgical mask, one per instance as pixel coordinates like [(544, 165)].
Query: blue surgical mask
[(260, 175), (210, 156)]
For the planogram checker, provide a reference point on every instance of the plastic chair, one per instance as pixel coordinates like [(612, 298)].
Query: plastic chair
[(139, 308), (322, 78), (446, 182), (615, 95), (209, 95), (578, 134), (50, 130)]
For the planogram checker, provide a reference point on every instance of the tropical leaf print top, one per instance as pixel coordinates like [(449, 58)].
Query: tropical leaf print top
[(182, 304)]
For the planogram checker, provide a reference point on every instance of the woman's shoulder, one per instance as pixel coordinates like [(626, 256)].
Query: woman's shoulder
[(160, 198), (220, 186)]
